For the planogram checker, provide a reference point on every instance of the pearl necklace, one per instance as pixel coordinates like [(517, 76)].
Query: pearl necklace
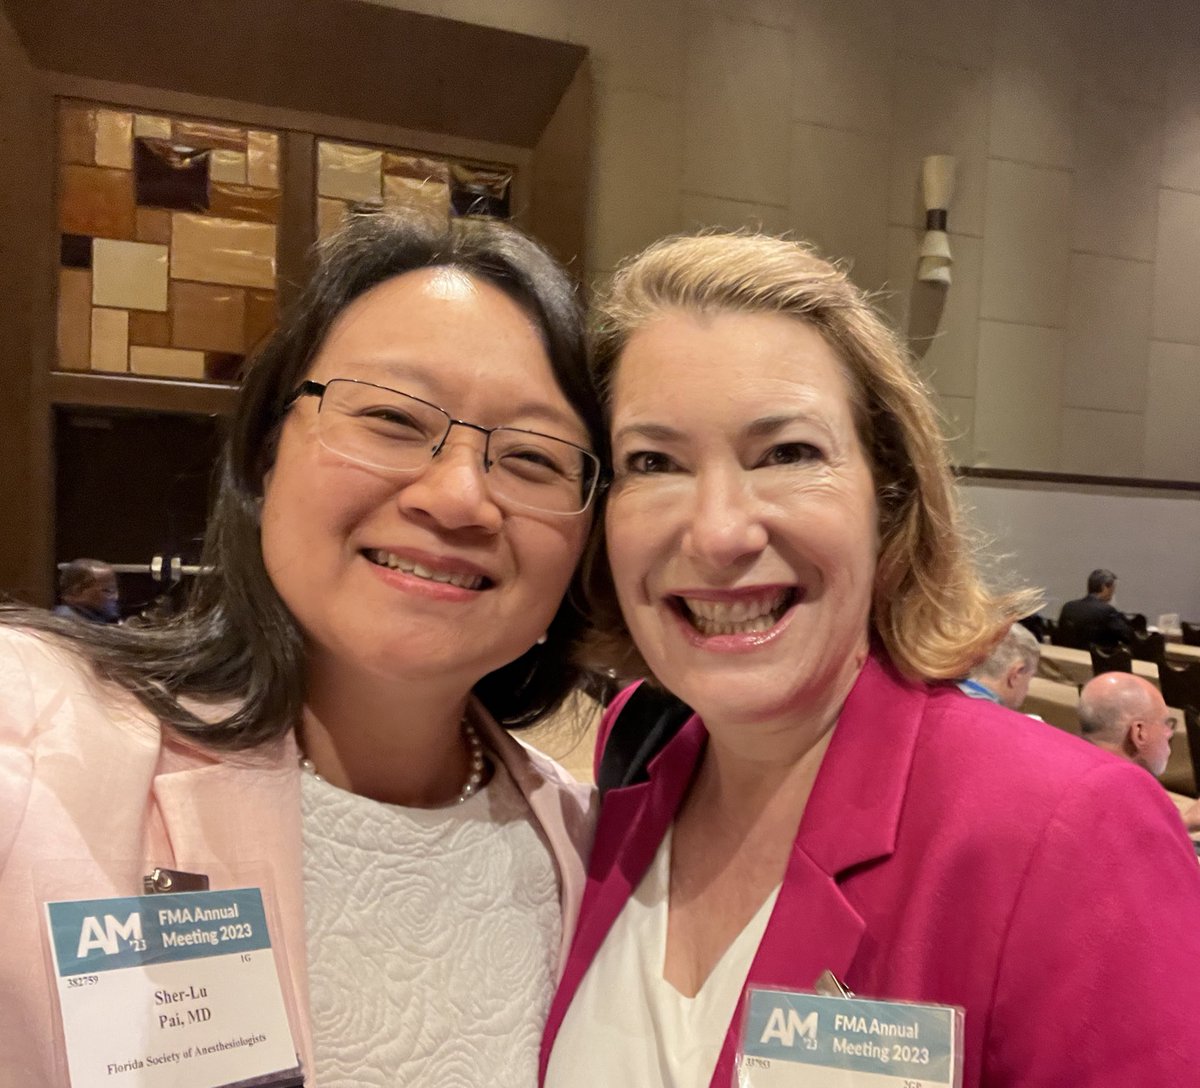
[(474, 776)]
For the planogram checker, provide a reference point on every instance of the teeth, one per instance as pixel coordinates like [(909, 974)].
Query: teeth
[(395, 562), (745, 616)]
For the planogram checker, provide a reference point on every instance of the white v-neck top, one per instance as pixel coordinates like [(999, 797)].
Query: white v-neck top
[(627, 1027)]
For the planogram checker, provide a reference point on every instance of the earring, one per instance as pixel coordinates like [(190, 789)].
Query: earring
[(541, 640)]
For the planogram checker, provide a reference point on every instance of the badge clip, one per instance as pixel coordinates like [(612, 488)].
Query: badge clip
[(162, 881)]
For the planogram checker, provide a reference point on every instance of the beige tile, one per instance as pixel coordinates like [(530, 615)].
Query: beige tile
[(697, 211), (208, 316), (152, 126), (635, 181), (735, 143), (633, 45), (1123, 45), (1108, 334), (838, 198), (262, 159), (432, 194), (166, 362), (114, 139), (1181, 120), (1114, 201), (955, 31), (958, 426), (1176, 315), (74, 318), (1102, 443), (110, 340), (939, 109), (1018, 412), (76, 134), (842, 64), (228, 166), (1035, 84), (209, 134), (131, 275), (349, 173), (222, 251), (776, 13), (1026, 246), (1172, 449), (331, 214), (940, 325)]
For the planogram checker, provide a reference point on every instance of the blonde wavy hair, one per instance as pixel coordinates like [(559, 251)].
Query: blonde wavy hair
[(930, 608)]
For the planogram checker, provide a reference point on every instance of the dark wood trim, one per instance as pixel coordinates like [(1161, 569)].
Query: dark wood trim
[(1073, 478), (143, 394), (297, 215)]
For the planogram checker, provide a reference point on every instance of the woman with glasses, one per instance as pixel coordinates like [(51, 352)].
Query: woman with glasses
[(402, 506)]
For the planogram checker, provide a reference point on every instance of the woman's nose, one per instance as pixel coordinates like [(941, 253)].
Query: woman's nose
[(725, 524), (452, 489)]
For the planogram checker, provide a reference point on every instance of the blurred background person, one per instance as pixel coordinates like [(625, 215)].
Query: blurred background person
[(1094, 620), (1003, 676), (87, 590)]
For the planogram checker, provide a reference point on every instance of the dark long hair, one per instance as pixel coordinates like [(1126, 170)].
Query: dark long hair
[(236, 642)]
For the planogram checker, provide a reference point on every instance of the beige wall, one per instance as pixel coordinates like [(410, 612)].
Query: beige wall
[(1070, 340)]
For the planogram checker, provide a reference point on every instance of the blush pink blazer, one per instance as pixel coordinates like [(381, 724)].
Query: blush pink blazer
[(955, 852), (93, 795)]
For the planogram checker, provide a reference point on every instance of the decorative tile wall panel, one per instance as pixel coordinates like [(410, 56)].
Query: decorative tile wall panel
[(130, 275), (166, 362), (114, 139), (262, 159), (229, 166), (243, 202), (349, 173), (208, 316), (200, 134), (153, 225), (77, 135), (74, 318), (110, 340), (261, 318), (222, 251), (149, 330), (75, 251), (169, 176), (96, 201), (147, 124), (330, 214)]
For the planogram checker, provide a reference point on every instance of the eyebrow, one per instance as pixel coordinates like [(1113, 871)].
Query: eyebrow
[(758, 428)]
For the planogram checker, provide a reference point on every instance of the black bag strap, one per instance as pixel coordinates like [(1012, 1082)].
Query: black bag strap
[(648, 720)]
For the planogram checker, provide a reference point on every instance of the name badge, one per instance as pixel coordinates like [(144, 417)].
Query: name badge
[(177, 990), (791, 1038)]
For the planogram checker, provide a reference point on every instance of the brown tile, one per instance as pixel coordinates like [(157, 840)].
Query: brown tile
[(207, 134), (74, 318), (212, 250), (243, 202), (149, 330), (167, 362), (96, 201), (261, 318), (114, 139), (129, 275), (110, 340), (207, 316), (76, 134), (262, 159), (153, 225), (167, 177), (220, 366)]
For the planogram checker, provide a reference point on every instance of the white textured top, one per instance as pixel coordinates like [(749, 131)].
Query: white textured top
[(627, 1026), (433, 938)]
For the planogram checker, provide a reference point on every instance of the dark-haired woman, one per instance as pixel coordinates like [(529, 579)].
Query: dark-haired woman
[(403, 504)]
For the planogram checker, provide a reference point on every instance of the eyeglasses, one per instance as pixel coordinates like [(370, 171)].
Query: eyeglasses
[(389, 430)]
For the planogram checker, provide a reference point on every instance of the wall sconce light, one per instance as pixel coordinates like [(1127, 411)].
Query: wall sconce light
[(937, 183)]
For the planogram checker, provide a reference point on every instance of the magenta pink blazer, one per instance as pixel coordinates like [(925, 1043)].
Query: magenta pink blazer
[(955, 852)]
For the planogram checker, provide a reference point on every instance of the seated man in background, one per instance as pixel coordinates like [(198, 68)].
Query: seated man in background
[(87, 589), (1003, 676), (1092, 620), (1126, 715)]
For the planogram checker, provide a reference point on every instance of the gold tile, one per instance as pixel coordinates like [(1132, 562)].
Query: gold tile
[(348, 172), (207, 316), (416, 166), (401, 192), (156, 128), (149, 330), (243, 202), (166, 362), (131, 275), (76, 134), (96, 201), (226, 165), (261, 318), (114, 139), (74, 318), (110, 340), (214, 250), (330, 215), (262, 155), (207, 134), (154, 225)]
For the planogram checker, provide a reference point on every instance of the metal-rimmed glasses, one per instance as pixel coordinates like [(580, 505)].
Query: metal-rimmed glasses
[(399, 433)]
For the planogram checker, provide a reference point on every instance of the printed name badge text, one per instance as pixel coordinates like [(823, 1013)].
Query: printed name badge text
[(177, 990)]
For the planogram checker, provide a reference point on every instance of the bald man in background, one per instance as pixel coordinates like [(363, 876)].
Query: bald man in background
[(1127, 716)]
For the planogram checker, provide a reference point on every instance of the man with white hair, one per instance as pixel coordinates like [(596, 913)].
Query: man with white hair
[(1003, 676), (1127, 716)]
